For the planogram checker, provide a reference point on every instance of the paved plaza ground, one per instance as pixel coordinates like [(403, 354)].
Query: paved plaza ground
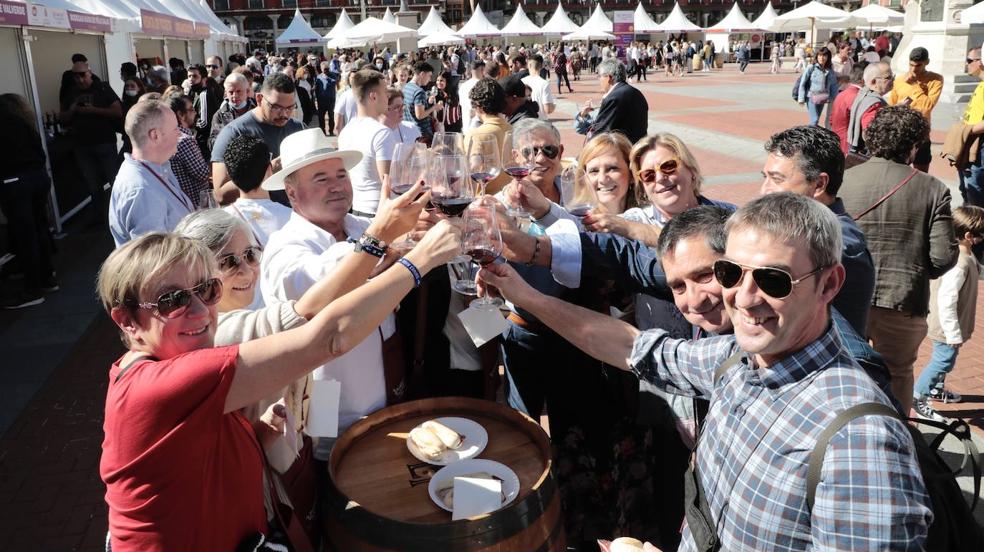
[(54, 358)]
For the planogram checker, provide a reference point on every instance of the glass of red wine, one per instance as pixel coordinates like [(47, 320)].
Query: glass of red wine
[(484, 162), (410, 165), (451, 190), (482, 241), (517, 165), (578, 194)]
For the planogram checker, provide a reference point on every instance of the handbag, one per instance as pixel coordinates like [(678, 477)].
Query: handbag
[(819, 98)]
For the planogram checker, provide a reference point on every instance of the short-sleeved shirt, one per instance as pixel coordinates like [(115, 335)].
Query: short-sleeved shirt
[(540, 93), (376, 143), (414, 95), (346, 106), (180, 473), (272, 135), (89, 128), (974, 113)]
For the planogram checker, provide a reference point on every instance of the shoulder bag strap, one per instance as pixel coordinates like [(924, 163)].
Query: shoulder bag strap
[(888, 195), (136, 359), (816, 457), (735, 358)]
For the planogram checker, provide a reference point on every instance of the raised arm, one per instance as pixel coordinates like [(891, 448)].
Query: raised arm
[(265, 365)]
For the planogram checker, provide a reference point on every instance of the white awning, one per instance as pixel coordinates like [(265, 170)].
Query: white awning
[(478, 25), (299, 32), (643, 23), (734, 22), (874, 14), (598, 22), (373, 29), (343, 24), (520, 25), (440, 39), (433, 24), (815, 16), (559, 23), (676, 22), (767, 18), (388, 16)]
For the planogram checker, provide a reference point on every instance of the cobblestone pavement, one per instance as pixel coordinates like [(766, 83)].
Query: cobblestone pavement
[(55, 357)]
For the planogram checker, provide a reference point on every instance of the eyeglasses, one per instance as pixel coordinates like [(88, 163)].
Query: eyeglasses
[(231, 262), (396, 107), (775, 282), (530, 152), (174, 303), (972, 60), (668, 167), (277, 108)]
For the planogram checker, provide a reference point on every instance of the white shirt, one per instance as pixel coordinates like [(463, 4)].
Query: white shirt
[(463, 90), (406, 132), (297, 256), (540, 93), (346, 106), (264, 216), (376, 143), (145, 198)]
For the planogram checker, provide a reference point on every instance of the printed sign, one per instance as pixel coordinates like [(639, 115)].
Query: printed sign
[(43, 16), (89, 22), (13, 13), (623, 26), (161, 24)]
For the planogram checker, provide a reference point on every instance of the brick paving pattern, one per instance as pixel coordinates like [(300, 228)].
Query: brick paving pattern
[(51, 497)]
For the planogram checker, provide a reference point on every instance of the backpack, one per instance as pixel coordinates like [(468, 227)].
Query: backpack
[(796, 85), (953, 526)]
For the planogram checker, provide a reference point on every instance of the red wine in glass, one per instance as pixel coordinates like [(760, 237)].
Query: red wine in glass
[(580, 211), (482, 178), (517, 172), (452, 206), (483, 255)]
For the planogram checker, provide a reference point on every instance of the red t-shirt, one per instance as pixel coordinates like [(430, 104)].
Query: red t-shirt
[(180, 474), (840, 113)]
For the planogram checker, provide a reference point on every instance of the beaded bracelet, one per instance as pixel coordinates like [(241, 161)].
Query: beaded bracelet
[(413, 270), (536, 252)]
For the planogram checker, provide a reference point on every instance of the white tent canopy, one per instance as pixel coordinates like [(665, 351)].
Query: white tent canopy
[(734, 22), (874, 14), (642, 22), (388, 16), (587, 34), (478, 25), (676, 22), (373, 29), (299, 32), (766, 19), (973, 14), (440, 39), (433, 24), (559, 23), (814, 16), (598, 21), (343, 24), (520, 25)]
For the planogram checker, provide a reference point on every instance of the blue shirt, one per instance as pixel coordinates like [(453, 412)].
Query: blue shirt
[(414, 95), (760, 429), (141, 202), (854, 298)]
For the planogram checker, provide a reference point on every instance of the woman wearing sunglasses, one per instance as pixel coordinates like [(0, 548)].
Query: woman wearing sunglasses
[(182, 466)]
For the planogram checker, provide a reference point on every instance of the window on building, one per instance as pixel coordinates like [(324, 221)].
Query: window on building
[(322, 3), (289, 3), (256, 4), (219, 5)]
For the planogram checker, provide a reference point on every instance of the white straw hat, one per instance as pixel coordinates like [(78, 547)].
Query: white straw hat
[(304, 148)]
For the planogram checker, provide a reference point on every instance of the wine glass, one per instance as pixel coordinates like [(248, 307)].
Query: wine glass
[(448, 143), (484, 162), (579, 196), (453, 193), (482, 241), (410, 165), (518, 165)]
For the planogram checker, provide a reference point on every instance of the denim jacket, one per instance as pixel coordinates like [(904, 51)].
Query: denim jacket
[(819, 81)]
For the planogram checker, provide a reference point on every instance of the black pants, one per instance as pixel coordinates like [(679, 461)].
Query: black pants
[(326, 114), (641, 71), (25, 204), (565, 78)]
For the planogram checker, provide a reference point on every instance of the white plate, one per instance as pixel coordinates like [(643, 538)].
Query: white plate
[(510, 482), (475, 439)]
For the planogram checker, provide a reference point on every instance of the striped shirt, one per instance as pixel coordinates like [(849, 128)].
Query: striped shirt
[(760, 430)]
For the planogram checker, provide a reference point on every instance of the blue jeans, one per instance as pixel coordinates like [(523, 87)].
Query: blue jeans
[(972, 183), (815, 110), (940, 364)]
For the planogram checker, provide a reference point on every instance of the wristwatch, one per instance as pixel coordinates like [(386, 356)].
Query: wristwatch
[(371, 245)]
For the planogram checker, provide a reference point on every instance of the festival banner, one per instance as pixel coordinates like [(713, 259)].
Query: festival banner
[(13, 13), (154, 23), (89, 22), (43, 16), (202, 30), (623, 26)]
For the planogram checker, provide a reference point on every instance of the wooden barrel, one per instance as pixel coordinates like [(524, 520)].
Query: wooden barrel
[(377, 498)]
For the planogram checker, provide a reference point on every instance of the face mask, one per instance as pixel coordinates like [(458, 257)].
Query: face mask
[(131, 93), (379, 66), (240, 105)]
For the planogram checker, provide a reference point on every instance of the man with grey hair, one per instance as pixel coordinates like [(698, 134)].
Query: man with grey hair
[(236, 104), (623, 107), (877, 82), (146, 196), (774, 387)]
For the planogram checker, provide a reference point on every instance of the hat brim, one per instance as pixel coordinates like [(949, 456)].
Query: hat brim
[(350, 158)]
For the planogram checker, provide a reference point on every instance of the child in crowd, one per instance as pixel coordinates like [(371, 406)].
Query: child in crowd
[(247, 158), (952, 308)]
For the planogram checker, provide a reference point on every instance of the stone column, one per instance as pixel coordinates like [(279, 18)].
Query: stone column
[(276, 29), (407, 18)]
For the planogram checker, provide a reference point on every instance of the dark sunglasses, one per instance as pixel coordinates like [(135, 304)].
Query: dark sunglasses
[(775, 282), (530, 152), (972, 60), (668, 167), (231, 262), (174, 303)]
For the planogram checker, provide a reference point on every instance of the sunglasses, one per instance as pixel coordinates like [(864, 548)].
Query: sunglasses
[(668, 167), (530, 152), (174, 303), (231, 262), (775, 282), (972, 60)]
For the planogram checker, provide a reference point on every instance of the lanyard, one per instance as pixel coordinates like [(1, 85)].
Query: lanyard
[(183, 200)]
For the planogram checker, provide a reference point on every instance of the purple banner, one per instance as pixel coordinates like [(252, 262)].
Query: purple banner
[(162, 24), (624, 29), (13, 13), (89, 22)]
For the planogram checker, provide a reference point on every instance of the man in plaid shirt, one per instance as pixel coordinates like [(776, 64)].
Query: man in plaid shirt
[(780, 271), (189, 165)]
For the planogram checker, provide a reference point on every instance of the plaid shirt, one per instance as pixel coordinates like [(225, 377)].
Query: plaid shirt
[(760, 430), (190, 167)]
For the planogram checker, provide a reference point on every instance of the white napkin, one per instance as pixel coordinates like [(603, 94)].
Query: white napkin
[(323, 414), (482, 324), (474, 497)]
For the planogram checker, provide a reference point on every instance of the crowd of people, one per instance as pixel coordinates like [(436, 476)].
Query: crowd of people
[(264, 278)]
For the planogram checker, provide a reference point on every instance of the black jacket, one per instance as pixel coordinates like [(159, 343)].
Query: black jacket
[(624, 110)]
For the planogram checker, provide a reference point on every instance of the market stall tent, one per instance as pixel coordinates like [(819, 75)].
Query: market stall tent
[(766, 19), (642, 22), (560, 23), (478, 26), (814, 16), (876, 15), (373, 29), (343, 24), (734, 22), (677, 22), (388, 16), (520, 25), (440, 39), (584, 34), (598, 21), (299, 32), (433, 24), (973, 14)]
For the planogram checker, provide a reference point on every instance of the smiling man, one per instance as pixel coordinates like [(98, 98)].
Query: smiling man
[(786, 376)]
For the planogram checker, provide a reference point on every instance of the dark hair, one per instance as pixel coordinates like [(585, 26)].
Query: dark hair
[(178, 103), (705, 221), (894, 132), (128, 68), (246, 159), (518, 57), (451, 91), (968, 219), (422, 67), (826, 52), (278, 82), (174, 63), (488, 95), (198, 67), (477, 63), (363, 81), (513, 86), (815, 149)]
